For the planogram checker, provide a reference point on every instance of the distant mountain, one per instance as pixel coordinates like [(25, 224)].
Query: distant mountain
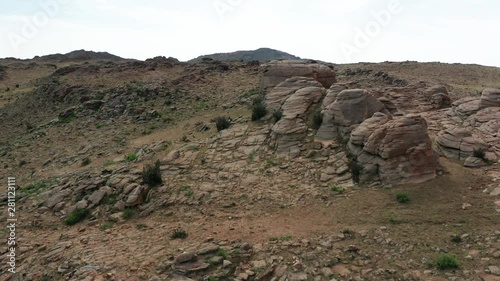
[(80, 55), (262, 54)]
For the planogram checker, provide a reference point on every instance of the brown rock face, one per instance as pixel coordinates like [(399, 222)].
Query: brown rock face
[(393, 150), (350, 109), (458, 143), (275, 72), (439, 97), (277, 96), (490, 98), (289, 133)]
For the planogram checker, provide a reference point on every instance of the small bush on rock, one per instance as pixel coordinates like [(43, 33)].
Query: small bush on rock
[(151, 174), (402, 197), (258, 109), (479, 153), (222, 123), (445, 261), (76, 216), (179, 233)]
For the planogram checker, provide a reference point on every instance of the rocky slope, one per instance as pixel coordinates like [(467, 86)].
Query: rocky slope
[(313, 189)]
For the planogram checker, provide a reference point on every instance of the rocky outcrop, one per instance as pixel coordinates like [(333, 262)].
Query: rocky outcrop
[(350, 108), (288, 134), (467, 106), (459, 143), (392, 150), (276, 98), (439, 97), (490, 98), (327, 130), (275, 72)]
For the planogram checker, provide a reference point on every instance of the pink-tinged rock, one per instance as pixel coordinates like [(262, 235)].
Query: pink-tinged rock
[(490, 98), (394, 151)]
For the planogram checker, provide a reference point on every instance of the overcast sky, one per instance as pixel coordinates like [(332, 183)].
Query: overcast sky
[(330, 30)]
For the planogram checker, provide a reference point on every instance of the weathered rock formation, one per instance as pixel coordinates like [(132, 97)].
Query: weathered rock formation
[(459, 143), (289, 134), (392, 150), (275, 72), (275, 99), (350, 108), (490, 98)]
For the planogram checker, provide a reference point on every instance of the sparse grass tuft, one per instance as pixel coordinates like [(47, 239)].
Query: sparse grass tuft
[(188, 191), (222, 253), (402, 197), (128, 213), (179, 233), (151, 174), (34, 187), (392, 219), (281, 238), (446, 261), (222, 123), (131, 157), (337, 189), (107, 225), (251, 156), (76, 216), (86, 161)]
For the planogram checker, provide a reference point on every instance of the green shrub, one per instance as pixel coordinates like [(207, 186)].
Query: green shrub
[(479, 153), (316, 119), (446, 261), (393, 219), (151, 174), (107, 225), (251, 156), (128, 213), (68, 119), (76, 216), (356, 169), (402, 197), (258, 110), (222, 253), (222, 123), (456, 239), (131, 157), (179, 233), (34, 187), (86, 161), (337, 189)]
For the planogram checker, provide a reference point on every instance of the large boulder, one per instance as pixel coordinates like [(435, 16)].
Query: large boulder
[(490, 98), (327, 129), (277, 96), (350, 108), (288, 135), (392, 151), (275, 72), (466, 107), (439, 97), (459, 143)]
